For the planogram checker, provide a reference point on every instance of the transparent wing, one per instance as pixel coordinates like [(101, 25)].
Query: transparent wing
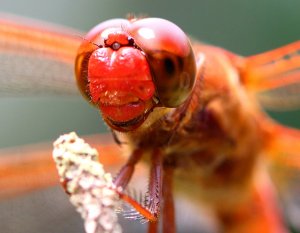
[(274, 76), (284, 157), (31, 167), (36, 57)]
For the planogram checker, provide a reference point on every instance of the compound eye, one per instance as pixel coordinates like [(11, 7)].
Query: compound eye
[(170, 56)]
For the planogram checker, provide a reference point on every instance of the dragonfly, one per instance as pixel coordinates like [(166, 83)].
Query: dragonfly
[(192, 111)]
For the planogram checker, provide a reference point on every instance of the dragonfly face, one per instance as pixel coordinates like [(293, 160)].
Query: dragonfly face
[(128, 67)]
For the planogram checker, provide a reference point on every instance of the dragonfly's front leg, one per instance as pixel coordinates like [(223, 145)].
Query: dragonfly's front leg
[(161, 193), (126, 172), (168, 216), (159, 188), (155, 189)]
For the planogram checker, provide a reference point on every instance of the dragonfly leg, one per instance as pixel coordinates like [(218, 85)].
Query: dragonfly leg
[(155, 189), (125, 174), (168, 216), (151, 208), (153, 227), (161, 187), (153, 203)]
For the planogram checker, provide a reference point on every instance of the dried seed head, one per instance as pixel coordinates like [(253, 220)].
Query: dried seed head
[(91, 190)]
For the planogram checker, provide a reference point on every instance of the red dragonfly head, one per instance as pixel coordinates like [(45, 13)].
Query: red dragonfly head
[(128, 67)]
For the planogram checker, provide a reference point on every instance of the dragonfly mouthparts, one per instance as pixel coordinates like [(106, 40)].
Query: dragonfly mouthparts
[(126, 124), (115, 98)]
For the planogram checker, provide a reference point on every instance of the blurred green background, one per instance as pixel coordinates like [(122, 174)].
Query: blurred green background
[(244, 27)]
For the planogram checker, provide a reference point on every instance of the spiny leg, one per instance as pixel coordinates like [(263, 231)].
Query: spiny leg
[(168, 216), (155, 189), (151, 208), (159, 175), (126, 172), (161, 184), (152, 227)]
